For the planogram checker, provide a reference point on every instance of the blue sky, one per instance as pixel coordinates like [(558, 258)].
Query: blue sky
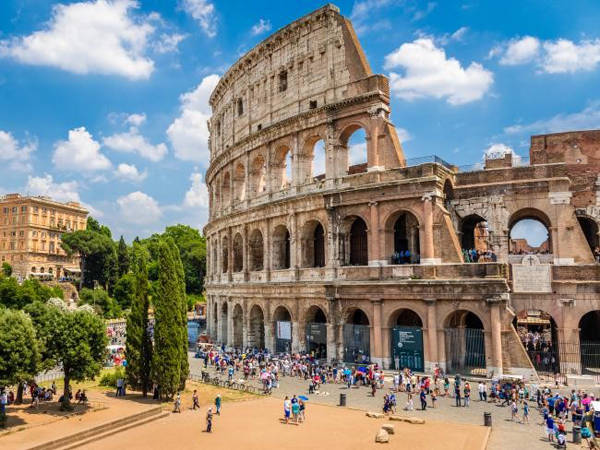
[(105, 101)]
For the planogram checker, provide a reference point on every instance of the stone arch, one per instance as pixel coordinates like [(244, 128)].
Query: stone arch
[(589, 342), (283, 332), (402, 235), (281, 248), (313, 159), (281, 167), (238, 325), (407, 342), (239, 182), (224, 254), (474, 233), (358, 242), (316, 332), (589, 227), (530, 218), (238, 253), (223, 322), (256, 327), (405, 317), (357, 336), (313, 244), (353, 140), (538, 333), (258, 171), (33, 269), (256, 250), (465, 342)]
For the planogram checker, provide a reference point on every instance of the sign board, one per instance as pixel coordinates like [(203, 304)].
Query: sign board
[(284, 330), (531, 276), (407, 348), (317, 333)]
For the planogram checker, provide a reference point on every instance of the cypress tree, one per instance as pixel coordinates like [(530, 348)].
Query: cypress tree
[(139, 344), (182, 300), (166, 358), (122, 258)]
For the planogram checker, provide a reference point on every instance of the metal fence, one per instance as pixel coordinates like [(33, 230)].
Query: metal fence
[(357, 343), (205, 378), (465, 349)]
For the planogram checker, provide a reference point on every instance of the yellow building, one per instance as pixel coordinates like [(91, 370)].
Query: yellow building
[(30, 235)]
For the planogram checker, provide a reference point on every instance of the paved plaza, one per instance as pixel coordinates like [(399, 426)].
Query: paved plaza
[(505, 433)]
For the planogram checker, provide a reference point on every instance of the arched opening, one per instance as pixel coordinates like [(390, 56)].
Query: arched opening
[(359, 247), (282, 168), (529, 233), (283, 330), (589, 342), (590, 231), (223, 323), (354, 140), (465, 343), (313, 244), (318, 160), (33, 270), (475, 237), (402, 238), (407, 340), (281, 247), (215, 320), (239, 182), (226, 189), (256, 250), (225, 255), (238, 324), (316, 332), (357, 341), (240, 106), (448, 194), (258, 175), (238, 253), (42, 270), (539, 335), (256, 328)]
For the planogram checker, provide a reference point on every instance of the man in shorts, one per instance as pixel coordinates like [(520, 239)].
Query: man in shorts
[(287, 407)]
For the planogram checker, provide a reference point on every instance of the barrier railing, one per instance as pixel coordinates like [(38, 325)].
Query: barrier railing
[(205, 378)]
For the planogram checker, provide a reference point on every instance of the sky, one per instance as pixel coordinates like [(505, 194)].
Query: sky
[(105, 101)]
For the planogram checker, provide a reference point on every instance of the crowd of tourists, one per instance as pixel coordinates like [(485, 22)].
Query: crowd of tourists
[(472, 255), (405, 257)]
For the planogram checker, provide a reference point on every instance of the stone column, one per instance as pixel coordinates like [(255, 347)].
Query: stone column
[(432, 338), (332, 238), (374, 250), (496, 335), (229, 255), (331, 341), (386, 349), (372, 145), (427, 251), (245, 252), (376, 355), (269, 338), (268, 251), (219, 333), (229, 322), (296, 163), (247, 179)]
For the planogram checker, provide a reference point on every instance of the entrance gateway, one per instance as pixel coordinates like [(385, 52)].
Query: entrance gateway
[(283, 341), (316, 339), (407, 348)]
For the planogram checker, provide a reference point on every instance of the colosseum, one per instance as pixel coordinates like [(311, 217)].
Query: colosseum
[(407, 263)]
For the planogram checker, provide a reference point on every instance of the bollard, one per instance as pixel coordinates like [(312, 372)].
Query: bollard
[(487, 419), (576, 435), (342, 399)]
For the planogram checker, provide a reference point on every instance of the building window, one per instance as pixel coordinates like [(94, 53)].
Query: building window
[(14, 210), (283, 81), (35, 209), (240, 106), (312, 104), (23, 208)]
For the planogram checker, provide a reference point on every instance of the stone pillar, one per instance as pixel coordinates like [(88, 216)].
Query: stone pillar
[(427, 251), (432, 338), (245, 325), (269, 337), (386, 349), (332, 238), (441, 340), (376, 355), (229, 322), (268, 251), (245, 252), (331, 341), (247, 178), (496, 335), (374, 250), (219, 333), (296, 164), (569, 347), (229, 255), (372, 145)]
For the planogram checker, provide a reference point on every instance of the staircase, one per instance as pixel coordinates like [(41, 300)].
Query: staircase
[(84, 437), (515, 360)]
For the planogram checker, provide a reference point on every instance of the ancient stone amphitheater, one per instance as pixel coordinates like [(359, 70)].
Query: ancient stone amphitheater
[(371, 262)]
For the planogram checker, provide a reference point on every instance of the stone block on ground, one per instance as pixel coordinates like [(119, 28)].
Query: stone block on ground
[(415, 420), (375, 415), (388, 427), (382, 436)]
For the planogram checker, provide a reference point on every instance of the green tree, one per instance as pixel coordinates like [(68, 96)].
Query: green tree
[(7, 269), (96, 252), (103, 303), (122, 258), (124, 290), (139, 344), (19, 354), (166, 358), (94, 225)]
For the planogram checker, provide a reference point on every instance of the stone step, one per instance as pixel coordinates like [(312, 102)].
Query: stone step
[(98, 430)]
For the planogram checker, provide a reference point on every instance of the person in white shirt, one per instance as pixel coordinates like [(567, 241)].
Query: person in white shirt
[(482, 391)]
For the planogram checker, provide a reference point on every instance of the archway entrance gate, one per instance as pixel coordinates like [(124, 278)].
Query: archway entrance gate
[(316, 333), (407, 341), (357, 339), (465, 343)]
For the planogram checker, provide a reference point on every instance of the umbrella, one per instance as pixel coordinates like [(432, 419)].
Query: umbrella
[(304, 398)]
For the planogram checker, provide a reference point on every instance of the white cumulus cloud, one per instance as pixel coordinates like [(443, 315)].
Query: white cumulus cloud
[(63, 192), (428, 72), (586, 119), (520, 51), (129, 172), (188, 133), (261, 27), (139, 208), (15, 154), (203, 12), (88, 37), (133, 142), (168, 43), (80, 152), (564, 56), (197, 195)]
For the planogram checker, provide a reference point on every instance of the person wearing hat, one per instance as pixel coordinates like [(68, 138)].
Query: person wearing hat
[(209, 416)]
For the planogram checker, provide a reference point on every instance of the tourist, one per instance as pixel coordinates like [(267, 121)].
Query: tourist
[(423, 397), (119, 387), (209, 417), (482, 391), (433, 398), (295, 409), (218, 404), (514, 409), (550, 428), (467, 392), (446, 387), (3, 403), (177, 405), (195, 401), (525, 413), (302, 406), (457, 394), (287, 409)]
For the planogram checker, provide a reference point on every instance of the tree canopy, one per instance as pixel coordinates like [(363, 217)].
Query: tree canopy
[(19, 354)]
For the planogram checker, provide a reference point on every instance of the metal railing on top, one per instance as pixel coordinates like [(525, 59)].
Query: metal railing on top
[(411, 162)]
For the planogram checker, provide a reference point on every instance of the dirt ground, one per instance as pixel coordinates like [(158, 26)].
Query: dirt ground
[(255, 424)]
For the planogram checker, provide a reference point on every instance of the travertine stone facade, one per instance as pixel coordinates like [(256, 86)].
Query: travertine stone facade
[(30, 233), (335, 263)]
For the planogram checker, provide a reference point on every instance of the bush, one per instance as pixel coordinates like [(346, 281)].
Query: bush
[(109, 379)]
